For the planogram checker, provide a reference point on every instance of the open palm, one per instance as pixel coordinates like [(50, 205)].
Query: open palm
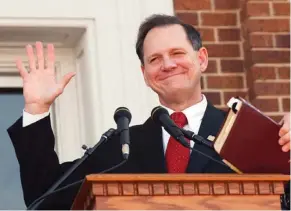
[(40, 87)]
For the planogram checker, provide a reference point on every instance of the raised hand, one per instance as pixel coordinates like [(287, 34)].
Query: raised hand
[(40, 87)]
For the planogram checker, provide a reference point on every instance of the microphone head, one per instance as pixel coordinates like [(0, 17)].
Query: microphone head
[(122, 112), (157, 112)]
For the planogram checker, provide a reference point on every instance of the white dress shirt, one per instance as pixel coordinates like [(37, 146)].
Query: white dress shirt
[(28, 118), (194, 116)]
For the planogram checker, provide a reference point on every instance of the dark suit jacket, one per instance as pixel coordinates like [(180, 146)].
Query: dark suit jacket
[(39, 165)]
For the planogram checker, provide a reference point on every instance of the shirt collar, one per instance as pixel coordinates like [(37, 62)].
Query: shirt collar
[(193, 113)]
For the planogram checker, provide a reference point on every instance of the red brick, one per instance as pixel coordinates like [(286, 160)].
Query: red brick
[(192, 5), (281, 9), (229, 34), (276, 118), (228, 95), (286, 104), (223, 50), (202, 82), (250, 84), (261, 40), (268, 25), (272, 88), (213, 97), (263, 73), (243, 12), (190, 18), (219, 19), (271, 56), (226, 4), (266, 105), (284, 72), (283, 41), (232, 66), (222, 107), (206, 34), (212, 67), (258, 9), (225, 82)]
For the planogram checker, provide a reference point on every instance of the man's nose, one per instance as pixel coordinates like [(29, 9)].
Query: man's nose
[(168, 64)]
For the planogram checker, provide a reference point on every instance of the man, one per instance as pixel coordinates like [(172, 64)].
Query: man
[(172, 61)]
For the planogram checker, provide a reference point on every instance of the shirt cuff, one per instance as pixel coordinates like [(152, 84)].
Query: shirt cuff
[(29, 119)]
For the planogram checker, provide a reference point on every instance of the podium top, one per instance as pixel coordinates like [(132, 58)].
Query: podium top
[(187, 177)]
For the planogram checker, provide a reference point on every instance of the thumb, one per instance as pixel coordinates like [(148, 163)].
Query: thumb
[(66, 79), (281, 121), (285, 122), (283, 130)]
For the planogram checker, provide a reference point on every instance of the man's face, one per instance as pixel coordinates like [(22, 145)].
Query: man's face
[(171, 66)]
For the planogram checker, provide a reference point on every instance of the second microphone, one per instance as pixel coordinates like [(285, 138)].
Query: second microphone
[(122, 117)]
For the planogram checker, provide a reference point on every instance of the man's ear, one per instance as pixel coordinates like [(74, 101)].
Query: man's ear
[(203, 58), (143, 73)]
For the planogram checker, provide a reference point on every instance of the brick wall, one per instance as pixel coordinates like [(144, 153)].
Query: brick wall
[(248, 44)]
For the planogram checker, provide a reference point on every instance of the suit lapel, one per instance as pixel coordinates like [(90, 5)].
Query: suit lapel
[(152, 149), (210, 125), (152, 145)]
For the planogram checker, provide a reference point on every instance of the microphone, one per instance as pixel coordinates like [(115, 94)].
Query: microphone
[(122, 117), (161, 116), (196, 138)]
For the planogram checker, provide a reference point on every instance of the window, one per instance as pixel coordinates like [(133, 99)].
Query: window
[(11, 106)]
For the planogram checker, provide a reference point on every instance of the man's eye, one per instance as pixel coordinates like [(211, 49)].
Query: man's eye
[(178, 52), (153, 59)]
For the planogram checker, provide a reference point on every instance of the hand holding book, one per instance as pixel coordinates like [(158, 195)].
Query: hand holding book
[(284, 133), (251, 142)]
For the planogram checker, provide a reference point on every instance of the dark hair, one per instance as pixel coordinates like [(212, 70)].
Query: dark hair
[(158, 20)]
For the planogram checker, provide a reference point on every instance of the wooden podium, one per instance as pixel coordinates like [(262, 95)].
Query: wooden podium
[(181, 191)]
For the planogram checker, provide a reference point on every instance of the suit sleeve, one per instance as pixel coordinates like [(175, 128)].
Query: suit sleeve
[(38, 162), (40, 167)]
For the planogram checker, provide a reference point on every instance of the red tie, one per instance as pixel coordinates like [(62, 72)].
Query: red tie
[(177, 156)]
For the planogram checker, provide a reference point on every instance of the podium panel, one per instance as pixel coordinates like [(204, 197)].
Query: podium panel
[(181, 192)]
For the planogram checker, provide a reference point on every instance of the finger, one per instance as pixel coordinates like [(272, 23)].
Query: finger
[(284, 139), (66, 79), (50, 57), (284, 129), (39, 54), (23, 72), (31, 59), (286, 147)]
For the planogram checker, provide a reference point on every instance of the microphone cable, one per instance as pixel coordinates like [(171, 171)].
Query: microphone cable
[(211, 158), (71, 185), (89, 151)]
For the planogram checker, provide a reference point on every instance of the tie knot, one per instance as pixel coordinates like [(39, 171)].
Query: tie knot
[(179, 118)]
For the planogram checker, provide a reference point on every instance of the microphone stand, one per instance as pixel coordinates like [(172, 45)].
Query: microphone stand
[(89, 151), (196, 138)]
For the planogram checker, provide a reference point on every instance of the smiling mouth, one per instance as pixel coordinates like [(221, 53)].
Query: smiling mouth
[(170, 76)]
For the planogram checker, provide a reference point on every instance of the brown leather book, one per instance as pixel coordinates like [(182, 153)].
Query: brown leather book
[(248, 141)]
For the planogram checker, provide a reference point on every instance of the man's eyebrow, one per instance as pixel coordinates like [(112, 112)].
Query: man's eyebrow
[(158, 54), (174, 49), (153, 55)]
